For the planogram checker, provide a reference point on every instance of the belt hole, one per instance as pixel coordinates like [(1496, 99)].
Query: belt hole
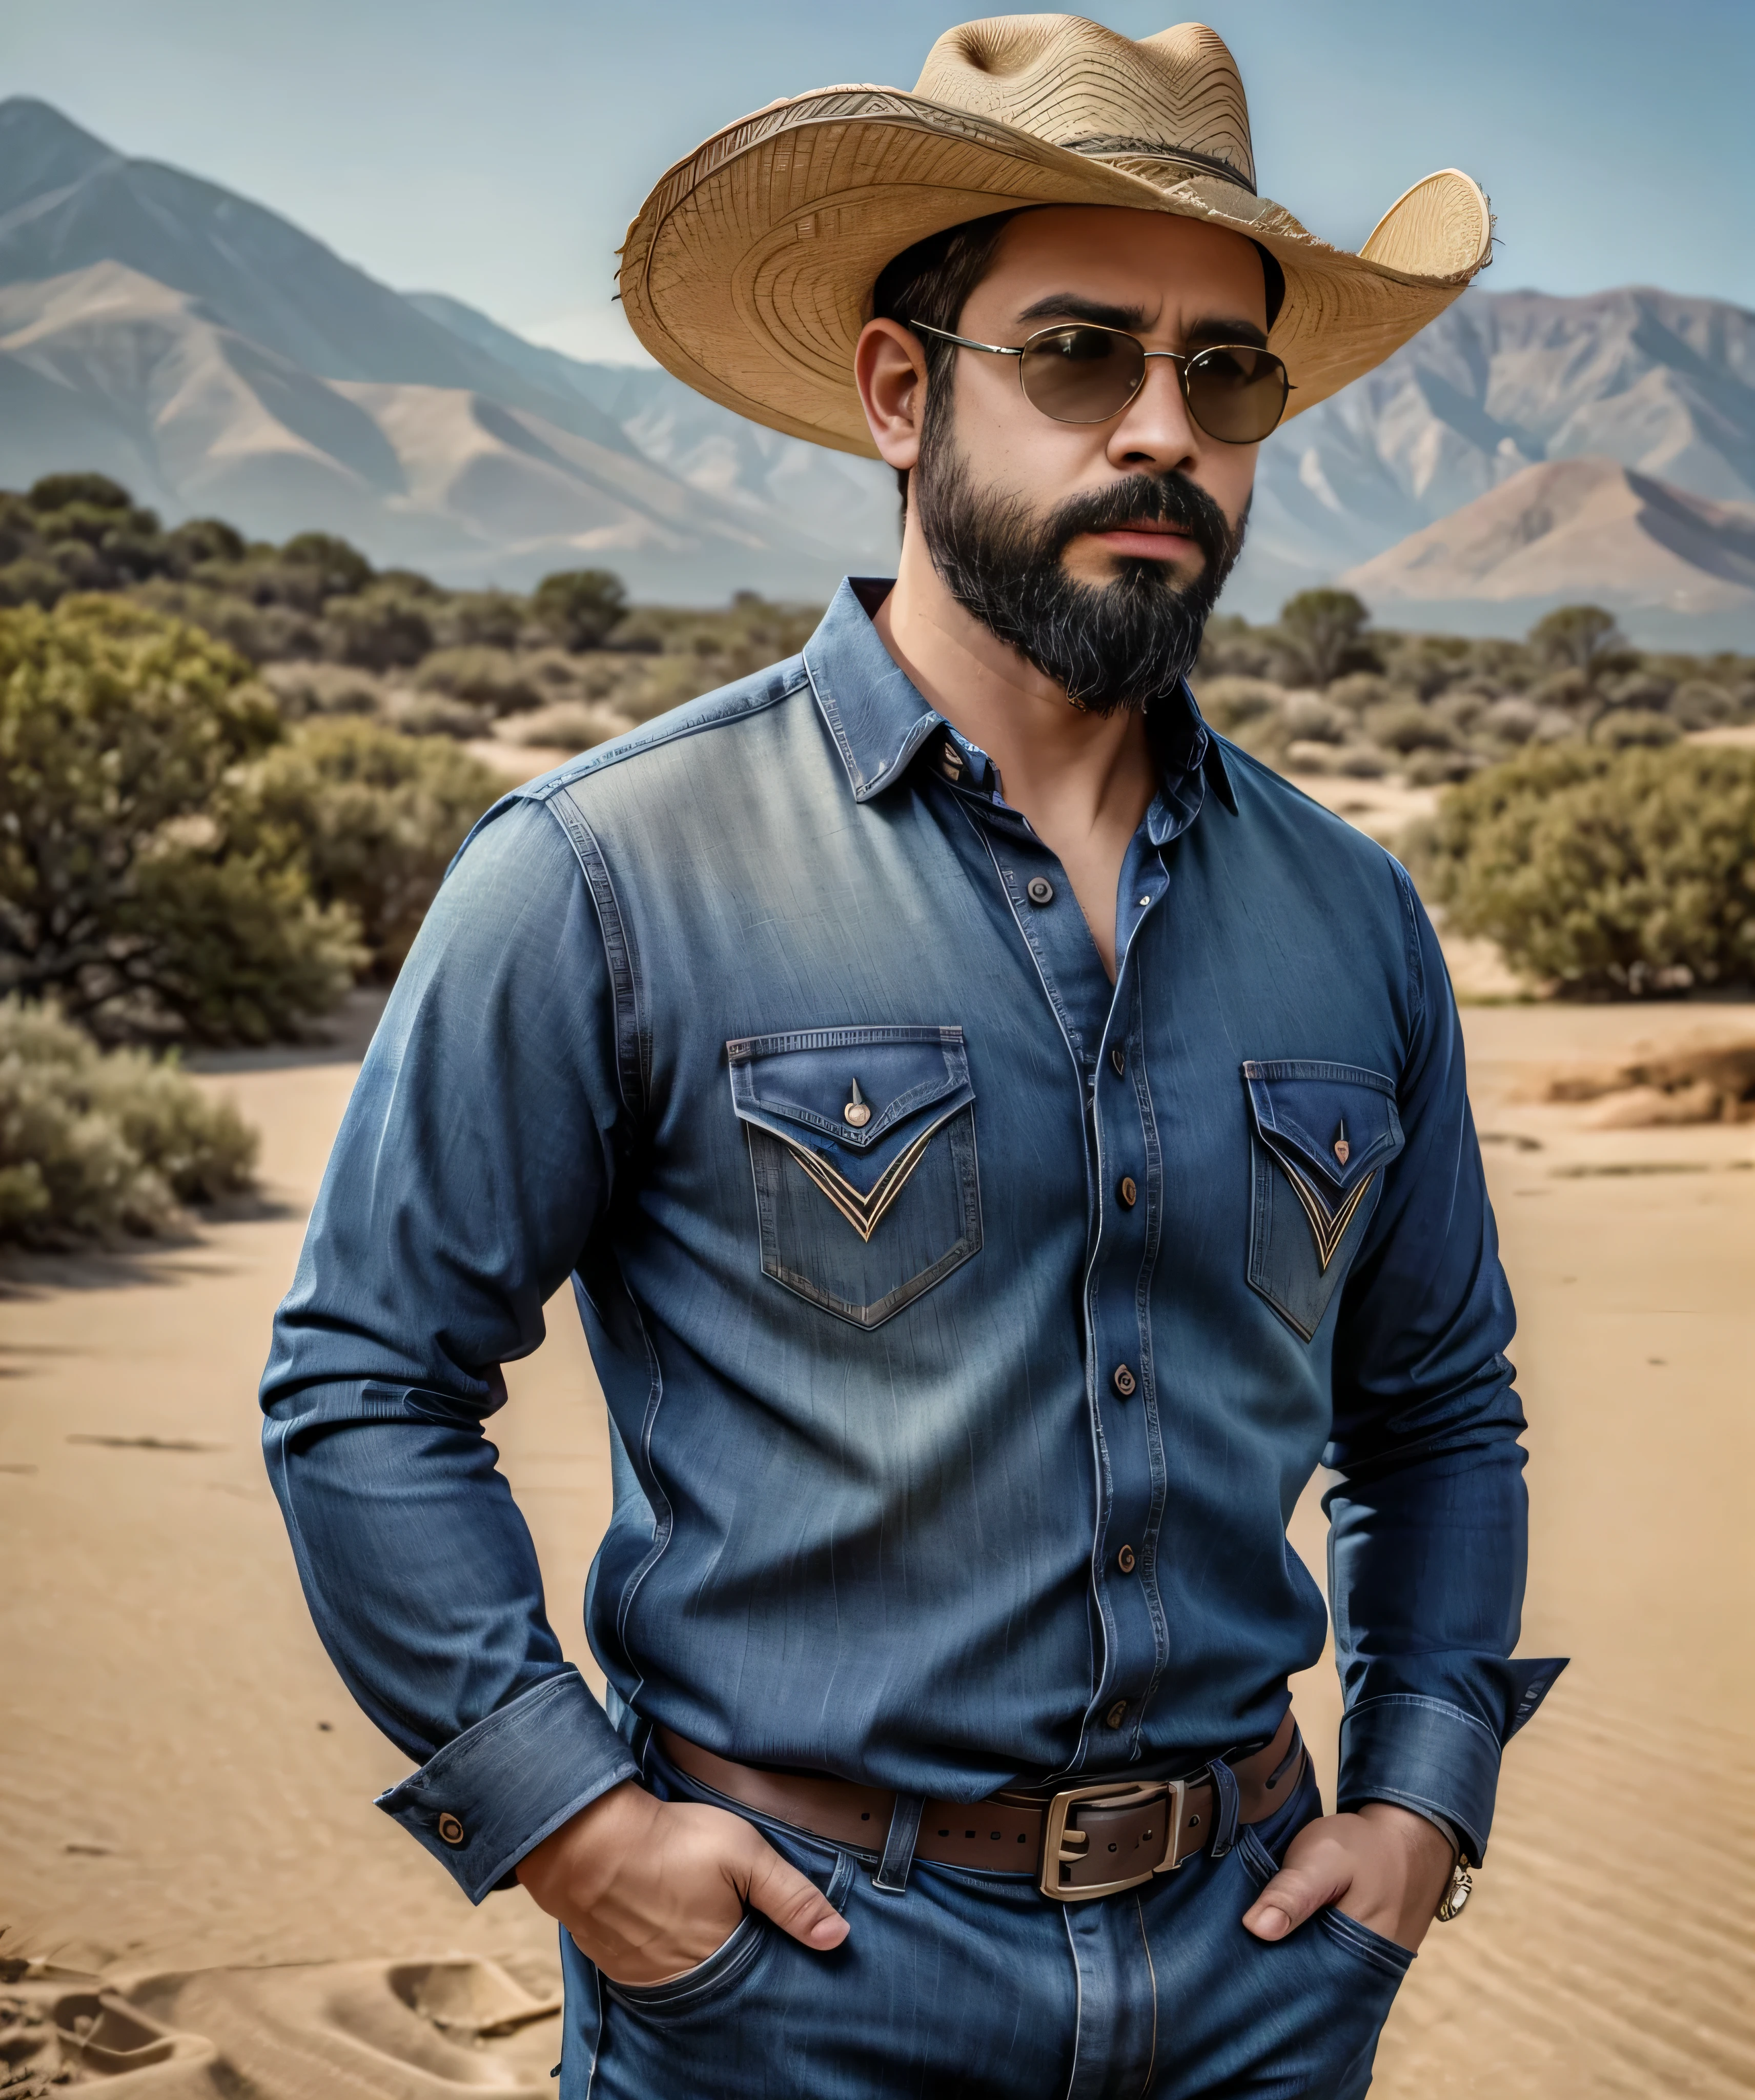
[(944, 1833), (865, 1815), (968, 1833), (1194, 1823)]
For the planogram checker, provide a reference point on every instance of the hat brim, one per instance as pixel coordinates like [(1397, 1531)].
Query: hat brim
[(748, 272)]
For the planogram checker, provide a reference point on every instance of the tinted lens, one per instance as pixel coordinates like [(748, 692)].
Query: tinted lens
[(1082, 375), (1235, 394)]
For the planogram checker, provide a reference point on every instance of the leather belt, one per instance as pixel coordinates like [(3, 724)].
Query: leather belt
[(1078, 1841)]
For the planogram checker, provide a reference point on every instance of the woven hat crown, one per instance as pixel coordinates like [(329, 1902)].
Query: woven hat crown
[(1175, 99)]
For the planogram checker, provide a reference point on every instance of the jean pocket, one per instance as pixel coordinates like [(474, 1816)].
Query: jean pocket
[(1322, 1135), (707, 1982), (861, 1145), (1386, 1956)]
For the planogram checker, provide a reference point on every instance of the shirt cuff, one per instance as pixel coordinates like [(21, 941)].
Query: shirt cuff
[(1423, 1754), (501, 1787)]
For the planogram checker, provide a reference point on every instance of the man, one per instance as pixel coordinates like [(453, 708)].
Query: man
[(1001, 1139)]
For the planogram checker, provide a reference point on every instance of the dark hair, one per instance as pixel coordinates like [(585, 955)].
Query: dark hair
[(932, 282)]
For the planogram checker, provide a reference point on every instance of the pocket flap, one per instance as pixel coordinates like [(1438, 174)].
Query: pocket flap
[(849, 1090), (1336, 1121)]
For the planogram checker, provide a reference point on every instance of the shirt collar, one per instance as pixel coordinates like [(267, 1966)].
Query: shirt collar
[(879, 719)]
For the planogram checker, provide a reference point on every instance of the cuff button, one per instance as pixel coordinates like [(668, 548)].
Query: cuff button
[(451, 1830)]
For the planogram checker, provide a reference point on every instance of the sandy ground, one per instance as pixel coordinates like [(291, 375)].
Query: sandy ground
[(185, 1789)]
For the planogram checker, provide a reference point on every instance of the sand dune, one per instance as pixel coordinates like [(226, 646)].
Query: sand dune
[(186, 1827)]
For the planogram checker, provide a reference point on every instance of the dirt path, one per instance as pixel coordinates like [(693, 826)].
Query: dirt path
[(184, 1784)]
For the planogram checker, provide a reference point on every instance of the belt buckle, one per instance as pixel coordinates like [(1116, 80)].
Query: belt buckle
[(1062, 1847)]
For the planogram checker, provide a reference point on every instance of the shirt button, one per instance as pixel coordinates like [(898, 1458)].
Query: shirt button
[(1124, 1560), (1144, 902), (451, 1830), (1039, 890), (1116, 1715), (1118, 1059), (1123, 1381), (1128, 1191)]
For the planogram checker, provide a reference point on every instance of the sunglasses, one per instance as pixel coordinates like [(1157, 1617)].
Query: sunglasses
[(1083, 374)]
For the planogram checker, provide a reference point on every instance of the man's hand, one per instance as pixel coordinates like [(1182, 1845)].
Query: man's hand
[(1385, 1866), (649, 1888)]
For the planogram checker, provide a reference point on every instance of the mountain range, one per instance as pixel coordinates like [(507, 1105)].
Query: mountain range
[(216, 359)]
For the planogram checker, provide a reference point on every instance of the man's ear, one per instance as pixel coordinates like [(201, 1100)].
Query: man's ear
[(890, 368)]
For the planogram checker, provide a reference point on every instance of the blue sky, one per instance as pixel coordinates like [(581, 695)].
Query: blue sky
[(497, 152)]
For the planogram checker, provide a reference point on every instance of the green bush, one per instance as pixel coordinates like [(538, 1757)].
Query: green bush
[(94, 1144), (368, 819), (1607, 873), (123, 895)]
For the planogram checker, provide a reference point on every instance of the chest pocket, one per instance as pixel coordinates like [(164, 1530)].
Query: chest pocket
[(861, 1145), (1322, 1135)]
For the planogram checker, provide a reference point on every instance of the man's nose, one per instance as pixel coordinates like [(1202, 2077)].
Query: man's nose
[(1155, 430)]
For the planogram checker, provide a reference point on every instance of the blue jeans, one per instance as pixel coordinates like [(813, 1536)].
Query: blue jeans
[(973, 1984)]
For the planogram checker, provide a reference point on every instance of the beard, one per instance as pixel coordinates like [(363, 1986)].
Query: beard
[(1122, 644)]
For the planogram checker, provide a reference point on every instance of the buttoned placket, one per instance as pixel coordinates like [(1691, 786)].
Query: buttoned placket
[(1103, 1028)]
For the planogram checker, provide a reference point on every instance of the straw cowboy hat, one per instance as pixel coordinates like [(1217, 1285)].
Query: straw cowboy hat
[(749, 271)]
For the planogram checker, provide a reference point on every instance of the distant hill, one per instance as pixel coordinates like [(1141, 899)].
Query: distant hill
[(1570, 529), (210, 354)]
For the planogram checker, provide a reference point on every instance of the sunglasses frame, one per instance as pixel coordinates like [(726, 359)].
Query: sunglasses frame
[(1184, 361)]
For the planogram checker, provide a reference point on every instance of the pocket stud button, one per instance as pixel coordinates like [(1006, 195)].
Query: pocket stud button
[(858, 1112), (1128, 1191), (1342, 1149), (1039, 890), (1125, 1561), (449, 1828), (1116, 1715), (1124, 1381), (1118, 1059)]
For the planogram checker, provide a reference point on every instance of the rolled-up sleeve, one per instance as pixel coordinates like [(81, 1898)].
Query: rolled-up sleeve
[(1428, 1524), (475, 1161)]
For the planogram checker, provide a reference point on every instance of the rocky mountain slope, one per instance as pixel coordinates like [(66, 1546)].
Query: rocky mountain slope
[(1682, 570), (210, 354)]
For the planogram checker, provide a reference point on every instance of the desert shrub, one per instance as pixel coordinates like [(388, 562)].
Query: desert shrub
[(1229, 701), (481, 619), (1305, 718), (122, 894), (1698, 703), (1406, 726), (569, 724), (436, 714), (1623, 726), (303, 688), (1609, 873), (1437, 769), (93, 1144), (369, 819), (493, 678), (378, 631), (1358, 690), (1512, 720)]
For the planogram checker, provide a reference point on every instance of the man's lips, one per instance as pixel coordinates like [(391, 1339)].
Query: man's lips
[(1156, 542)]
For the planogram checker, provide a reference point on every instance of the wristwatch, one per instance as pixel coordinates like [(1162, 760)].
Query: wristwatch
[(1461, 1885), (1457, 1890)]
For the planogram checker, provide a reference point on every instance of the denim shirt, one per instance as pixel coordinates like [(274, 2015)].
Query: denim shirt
[(968, 1325)]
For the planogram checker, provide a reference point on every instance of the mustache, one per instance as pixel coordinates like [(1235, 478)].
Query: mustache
[(1151, 498)]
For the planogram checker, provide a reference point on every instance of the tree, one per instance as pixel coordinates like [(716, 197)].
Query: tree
[(122, 895), (1578, 637), (342, 569), (1610, 874), (372, 818), (1322, 632), (580, 607), (56, 492)]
